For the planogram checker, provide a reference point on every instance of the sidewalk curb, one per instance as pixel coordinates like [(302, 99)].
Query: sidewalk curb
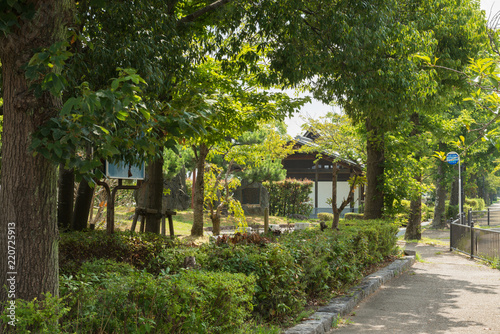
[(322, 321)]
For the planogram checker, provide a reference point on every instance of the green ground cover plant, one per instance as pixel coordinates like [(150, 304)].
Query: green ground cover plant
[(139, 283)]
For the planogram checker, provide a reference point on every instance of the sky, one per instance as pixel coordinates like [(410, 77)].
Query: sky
[(317, 109)]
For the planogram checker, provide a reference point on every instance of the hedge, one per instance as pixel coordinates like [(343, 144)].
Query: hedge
[(289, 197), (235, 278), (107, 297)]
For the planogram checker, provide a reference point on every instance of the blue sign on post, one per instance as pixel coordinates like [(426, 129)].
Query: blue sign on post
[(125, 171), (452, 158)]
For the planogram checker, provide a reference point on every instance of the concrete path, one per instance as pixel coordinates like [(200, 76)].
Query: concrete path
[(447, 293)]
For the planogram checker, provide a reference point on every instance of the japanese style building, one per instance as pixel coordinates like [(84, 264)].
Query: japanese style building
[(302, 166)]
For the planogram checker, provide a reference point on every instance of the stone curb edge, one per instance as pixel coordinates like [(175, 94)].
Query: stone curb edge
[(322, 321)]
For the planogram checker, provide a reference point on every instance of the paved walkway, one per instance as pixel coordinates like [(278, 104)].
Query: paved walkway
[(446, 293)]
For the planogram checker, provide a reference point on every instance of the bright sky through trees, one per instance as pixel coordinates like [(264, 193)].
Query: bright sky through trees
[(317, 109)]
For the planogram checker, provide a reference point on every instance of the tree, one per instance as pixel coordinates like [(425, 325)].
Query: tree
[(359, 54), (147, 36), (28, 194), (34, 53), (234, 103), (339, 139), (219, 188), (253, 157)]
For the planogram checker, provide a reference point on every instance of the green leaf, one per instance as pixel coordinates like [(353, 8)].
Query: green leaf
[(103, 129), (58, 151), (68, 106), (114, 84), (122, 115), (146, 114)]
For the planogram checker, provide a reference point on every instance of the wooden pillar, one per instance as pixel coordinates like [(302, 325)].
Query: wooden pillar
[(316, 179)]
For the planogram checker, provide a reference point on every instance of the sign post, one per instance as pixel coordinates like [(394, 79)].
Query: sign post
[(121, 171), (453, 158)]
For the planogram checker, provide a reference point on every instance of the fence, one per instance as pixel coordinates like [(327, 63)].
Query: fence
[(486, 217), (477, 242)]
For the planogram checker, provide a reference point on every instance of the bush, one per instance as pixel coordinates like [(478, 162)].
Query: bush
[(289, 197), (333, 259), (234, 276), (353, 215), (451, 210), (36, 316), (278, 291), (138, 249), (325, 217), (474, 204), (403, 212), (107, 297)]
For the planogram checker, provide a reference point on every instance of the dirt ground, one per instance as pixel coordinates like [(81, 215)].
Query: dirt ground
[(430, 236)]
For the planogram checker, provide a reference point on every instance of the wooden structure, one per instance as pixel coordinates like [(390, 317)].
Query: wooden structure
[(142, 212), (302, 166)]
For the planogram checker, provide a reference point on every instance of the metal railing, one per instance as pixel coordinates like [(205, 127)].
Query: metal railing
[(477, 242)]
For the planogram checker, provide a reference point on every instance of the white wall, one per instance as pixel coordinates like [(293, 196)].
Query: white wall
[(325, 192)]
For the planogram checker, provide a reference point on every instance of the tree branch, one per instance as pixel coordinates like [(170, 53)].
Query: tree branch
[(193, 16)]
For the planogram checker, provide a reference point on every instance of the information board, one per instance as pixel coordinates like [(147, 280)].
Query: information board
[(125, 171)]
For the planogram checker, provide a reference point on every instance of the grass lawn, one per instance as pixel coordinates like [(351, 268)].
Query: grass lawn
[(183, 220)]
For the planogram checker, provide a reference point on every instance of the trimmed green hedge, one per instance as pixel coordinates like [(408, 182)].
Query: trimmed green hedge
[(109, 297), (325, 217), (353, 215), (289, 197), (138, 249), (278, 289), (334, 259), (243, 276)]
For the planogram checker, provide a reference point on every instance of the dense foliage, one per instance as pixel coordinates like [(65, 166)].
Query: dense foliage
[(139, 283), (289, 197), (110, 297)]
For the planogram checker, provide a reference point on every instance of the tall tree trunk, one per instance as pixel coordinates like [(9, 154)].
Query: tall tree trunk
[(439, 220), (216, 218), (83, 205), (65, 198), (28, 195), (199, 194), (154, 194), (413, 229), (374, 199)]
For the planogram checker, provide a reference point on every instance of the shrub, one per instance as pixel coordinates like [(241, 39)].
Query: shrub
[(138, 249), (171, 260), (474, 204), (278, 291), (289, 197), (110, 297), (325, 216), (403, 212), (240, 274), (353, 215), (451, 211), (36, 316), (333, 259)]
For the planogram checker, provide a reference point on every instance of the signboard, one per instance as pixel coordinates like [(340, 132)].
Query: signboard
[(125, 171), (452, 158)]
